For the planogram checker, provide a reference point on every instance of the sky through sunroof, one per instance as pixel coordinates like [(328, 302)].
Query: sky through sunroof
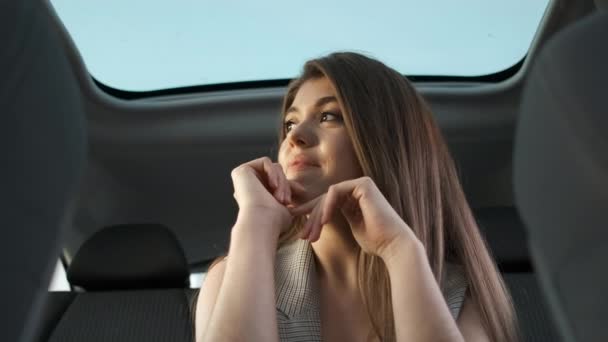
[(140, 45)]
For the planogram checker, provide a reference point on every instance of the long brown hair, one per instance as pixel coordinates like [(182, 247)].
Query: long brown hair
[(399, 146)]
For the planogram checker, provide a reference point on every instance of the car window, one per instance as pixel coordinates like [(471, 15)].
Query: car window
[(142, 45), (59, 281), (196, 279)]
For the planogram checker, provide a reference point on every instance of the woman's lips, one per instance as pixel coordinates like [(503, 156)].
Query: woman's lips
[(299, 166), (301, 162)]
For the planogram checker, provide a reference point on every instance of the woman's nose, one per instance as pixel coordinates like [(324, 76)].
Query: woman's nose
[(302, 135)]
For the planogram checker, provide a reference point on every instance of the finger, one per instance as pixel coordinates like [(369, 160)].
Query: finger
[(296, 188), (305, 228), (305, 208), (261, 166), (307, 225), (333, 201), (277, 195), (349, 191), (310, 223), (269, 172), (287, 187), (278, 191), (284, 184), (317, 226), (257, 164), (288, 194)]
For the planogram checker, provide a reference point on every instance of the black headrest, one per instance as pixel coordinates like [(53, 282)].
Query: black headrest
[(130, 256), (561, 175), (504, 231)]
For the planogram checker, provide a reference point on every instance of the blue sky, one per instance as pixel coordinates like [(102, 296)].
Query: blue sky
[(148, 45)]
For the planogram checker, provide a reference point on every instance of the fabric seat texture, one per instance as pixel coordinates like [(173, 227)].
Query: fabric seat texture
[(133, 286)]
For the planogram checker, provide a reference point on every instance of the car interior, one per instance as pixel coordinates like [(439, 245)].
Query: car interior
[(134, 194)]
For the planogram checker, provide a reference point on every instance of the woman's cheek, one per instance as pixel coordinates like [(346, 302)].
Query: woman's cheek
[(346, 161)]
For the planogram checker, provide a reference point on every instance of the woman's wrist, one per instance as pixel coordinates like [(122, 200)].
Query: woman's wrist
[(401, 248), (258, 224), (249, 243)]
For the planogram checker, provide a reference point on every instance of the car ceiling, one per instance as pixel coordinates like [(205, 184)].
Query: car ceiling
[(167, 159)]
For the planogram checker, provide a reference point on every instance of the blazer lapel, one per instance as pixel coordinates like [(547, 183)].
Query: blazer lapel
[(297, 292)]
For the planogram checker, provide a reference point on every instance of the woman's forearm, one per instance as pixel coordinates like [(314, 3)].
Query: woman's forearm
[(245, 305), (419, 309)]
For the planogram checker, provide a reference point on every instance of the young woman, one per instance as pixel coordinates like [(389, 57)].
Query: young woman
[(360, 232)]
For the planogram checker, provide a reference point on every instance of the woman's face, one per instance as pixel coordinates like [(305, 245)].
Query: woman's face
[(317, 151)]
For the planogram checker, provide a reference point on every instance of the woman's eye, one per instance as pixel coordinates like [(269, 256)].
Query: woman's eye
[(288, 125), (327, 116)]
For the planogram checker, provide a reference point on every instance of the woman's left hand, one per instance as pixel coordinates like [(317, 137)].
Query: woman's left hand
[(373, 221)]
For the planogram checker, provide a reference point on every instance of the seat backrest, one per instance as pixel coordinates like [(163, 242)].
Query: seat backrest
[(42, 142), (135, 280), (129, 316), (130, 256), (561, 175), (505, 234), (533, 315)]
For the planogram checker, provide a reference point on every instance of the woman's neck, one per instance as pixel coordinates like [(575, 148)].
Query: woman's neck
[(336, 254)]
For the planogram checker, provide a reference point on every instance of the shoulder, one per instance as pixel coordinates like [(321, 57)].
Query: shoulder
[(211, 284), (470, 322), (215, 273), (454, 287), (207, 296)]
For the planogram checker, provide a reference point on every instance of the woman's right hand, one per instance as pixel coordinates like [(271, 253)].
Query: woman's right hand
[(263, 193)]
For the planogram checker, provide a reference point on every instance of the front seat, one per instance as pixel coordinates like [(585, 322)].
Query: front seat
[(43, 148), (561, 175), (133, 285)]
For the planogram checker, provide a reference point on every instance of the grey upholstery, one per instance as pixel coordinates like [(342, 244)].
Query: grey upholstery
[(42, 147), (505, 234), (129, 316), (136, 277), (561, 175), (534, 317), (134, 315), (504, 231), (55, 307)]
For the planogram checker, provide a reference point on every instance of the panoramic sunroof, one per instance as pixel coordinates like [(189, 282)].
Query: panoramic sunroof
[(150, 45)]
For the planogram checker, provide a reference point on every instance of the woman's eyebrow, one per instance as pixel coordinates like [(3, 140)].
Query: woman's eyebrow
[(325, 100), (320, 102)]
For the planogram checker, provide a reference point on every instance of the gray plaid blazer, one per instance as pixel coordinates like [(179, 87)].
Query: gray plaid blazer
[(297, 294)]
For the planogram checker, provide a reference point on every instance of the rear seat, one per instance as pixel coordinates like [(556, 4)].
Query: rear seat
[(134, 281), (505, 234), (132, 285)]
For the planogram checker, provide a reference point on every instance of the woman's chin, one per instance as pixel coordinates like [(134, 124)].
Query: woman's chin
[(308, 187)]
